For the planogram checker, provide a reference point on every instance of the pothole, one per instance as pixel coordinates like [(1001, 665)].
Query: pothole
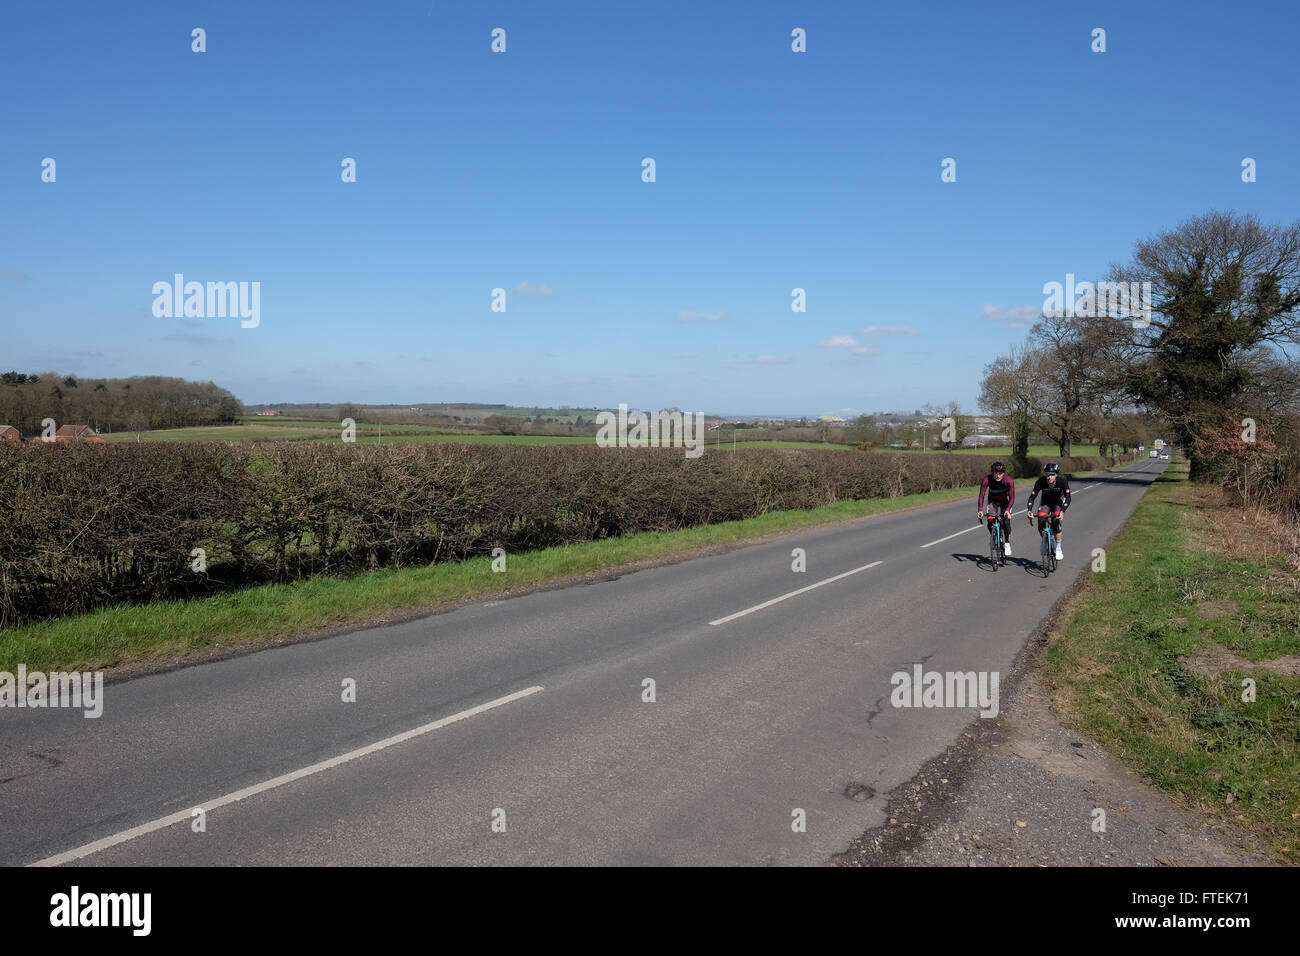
[(859, 791)]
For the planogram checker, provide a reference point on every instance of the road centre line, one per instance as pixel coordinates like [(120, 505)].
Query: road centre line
[(207, 805), (778, 600)]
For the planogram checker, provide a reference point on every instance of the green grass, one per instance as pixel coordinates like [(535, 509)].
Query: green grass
[(367, 436), (1170, 591), (167, 630)]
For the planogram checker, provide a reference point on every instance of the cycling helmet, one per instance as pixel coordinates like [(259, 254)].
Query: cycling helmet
[(1051, 468), (998, 466)]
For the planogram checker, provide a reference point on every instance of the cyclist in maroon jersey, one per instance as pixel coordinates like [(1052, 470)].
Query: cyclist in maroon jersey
[(1001, 491)]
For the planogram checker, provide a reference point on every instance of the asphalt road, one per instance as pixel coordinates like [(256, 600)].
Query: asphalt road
[(515, 732)]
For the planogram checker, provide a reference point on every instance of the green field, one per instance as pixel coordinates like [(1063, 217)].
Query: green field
[(300, 429), (277, 429), (1035, 451)]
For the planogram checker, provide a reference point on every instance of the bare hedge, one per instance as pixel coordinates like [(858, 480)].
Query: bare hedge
[(82, 526)]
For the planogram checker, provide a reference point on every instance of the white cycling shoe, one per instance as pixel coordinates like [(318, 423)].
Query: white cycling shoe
[(1006, 548), (1059, 555)]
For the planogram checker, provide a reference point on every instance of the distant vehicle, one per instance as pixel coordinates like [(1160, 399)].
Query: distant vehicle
[(1154, 453), (1165, 456)]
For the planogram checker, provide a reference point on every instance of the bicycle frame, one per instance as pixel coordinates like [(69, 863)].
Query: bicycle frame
[(995, 541), (1048, 550)]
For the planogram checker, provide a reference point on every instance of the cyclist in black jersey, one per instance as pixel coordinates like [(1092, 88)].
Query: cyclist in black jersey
[(1055, 489)]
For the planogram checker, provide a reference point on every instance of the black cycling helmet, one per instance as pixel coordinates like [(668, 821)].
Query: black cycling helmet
[(998, 466), (1051, 468)]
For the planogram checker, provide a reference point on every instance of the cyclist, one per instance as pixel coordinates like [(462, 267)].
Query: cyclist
[(1055, 488), (1001, 492)]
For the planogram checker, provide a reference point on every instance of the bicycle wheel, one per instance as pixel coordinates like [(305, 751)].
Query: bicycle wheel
[(995, 549)]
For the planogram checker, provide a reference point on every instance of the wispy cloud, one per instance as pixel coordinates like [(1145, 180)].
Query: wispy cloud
[(198, 339), (766, 360), (850, 343), (880, 331), (1021, 317), (17, 276), (688, 315), (533, 288)]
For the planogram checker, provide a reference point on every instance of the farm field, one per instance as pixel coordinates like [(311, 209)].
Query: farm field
[(271, 429), (288, 429), (1004, 451)]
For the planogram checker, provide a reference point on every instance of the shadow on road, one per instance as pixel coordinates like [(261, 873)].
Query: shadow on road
[(982, 560)]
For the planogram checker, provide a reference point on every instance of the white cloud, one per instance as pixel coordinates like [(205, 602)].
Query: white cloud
[(850, 343), (688, 315), (1021, 317), (877, 331), (532, 288)]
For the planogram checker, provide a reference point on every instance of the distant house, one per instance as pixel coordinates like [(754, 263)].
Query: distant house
[(269, 411), (76, 433), (9, 433)]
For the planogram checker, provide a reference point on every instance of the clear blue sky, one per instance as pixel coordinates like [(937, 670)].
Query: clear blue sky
[(522, 170)]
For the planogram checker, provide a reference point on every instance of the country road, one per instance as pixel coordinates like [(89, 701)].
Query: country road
[(772, 693)]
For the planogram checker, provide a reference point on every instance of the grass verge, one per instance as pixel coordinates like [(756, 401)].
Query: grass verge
[(1149, 659), (151, 633)]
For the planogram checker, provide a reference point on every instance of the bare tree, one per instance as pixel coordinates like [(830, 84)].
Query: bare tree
[(137, 422)]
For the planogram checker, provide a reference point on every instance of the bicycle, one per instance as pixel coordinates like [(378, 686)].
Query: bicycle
[(1048, 549), (997, 547)]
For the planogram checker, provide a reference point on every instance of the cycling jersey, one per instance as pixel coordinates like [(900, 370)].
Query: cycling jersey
[(1000, 492), (1054, 496)]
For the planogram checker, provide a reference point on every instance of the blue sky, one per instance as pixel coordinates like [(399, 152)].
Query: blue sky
[(522, 170)]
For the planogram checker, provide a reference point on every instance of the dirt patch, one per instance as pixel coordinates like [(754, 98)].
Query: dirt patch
[(1220, 608), (1219, 660)]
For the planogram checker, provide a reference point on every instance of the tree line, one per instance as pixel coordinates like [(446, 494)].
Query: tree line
[(1211, 361), (112, 404)]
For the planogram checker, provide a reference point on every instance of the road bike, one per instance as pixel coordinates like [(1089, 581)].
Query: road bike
[(1048, 550), (997, 547)]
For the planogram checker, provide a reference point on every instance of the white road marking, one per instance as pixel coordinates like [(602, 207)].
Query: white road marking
[(973, 528), (184, 815), (778, 600)]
